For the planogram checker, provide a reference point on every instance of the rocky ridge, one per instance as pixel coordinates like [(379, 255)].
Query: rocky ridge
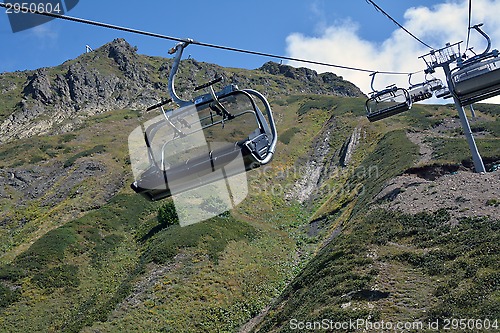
[(53, 100)]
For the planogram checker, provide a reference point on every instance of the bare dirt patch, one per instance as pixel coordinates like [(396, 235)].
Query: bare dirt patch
[(462, 193)]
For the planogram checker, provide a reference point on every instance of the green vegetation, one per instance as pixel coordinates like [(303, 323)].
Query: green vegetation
[(98, 241), (324, 103), (89, 152), (456, 150), (423, 117), (329, 104), (34, 150), (493, 202), (215, 235), (488, 128), (48, 250), (11, 85), (462, 258), (491, 109), (492, 127), (167, 215), (64, 276), (287, 136), (393, 155), (115, 115), (458, 264), (8, 296)]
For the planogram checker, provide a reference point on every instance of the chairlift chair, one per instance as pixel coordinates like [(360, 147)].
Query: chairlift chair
[(211, 137), (425, 90), (419, 92), (477, 78), (387, 103), (443, 93), (435, 84)]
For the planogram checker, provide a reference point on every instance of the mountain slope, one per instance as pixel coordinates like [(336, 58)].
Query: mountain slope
[(415, 239)]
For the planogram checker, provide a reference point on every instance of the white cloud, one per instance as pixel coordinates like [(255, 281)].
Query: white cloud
[(46, 34), (44, 31), (341, 43)]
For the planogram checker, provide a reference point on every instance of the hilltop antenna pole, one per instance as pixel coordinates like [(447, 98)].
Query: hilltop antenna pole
[(443, 58)]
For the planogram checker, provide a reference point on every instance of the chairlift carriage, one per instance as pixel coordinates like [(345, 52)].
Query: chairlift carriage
[(477, 78), (435, 84), (387, 103), (443, 93), (424, 90), (209, 138)]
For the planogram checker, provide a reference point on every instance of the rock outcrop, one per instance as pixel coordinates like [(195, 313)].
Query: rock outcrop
[(324, 83)]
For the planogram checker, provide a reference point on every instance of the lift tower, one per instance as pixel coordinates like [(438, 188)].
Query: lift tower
[(443, 58)]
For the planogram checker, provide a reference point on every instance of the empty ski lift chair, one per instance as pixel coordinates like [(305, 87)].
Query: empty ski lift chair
[(443, 93), (477, 78), (435, 84), (425, 90), (202, 141), (387, 103), (419, 92)]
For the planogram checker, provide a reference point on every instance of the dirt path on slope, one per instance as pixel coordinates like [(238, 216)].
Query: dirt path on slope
[(426, 150)]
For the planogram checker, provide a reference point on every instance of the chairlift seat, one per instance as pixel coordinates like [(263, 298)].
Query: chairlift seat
[(420, 93), (477, 81), (387, 103), (156, 184), (162, 179), (443, 93), (435, 84)]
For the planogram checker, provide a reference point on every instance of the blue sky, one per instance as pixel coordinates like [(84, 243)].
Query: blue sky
[(350, 33)]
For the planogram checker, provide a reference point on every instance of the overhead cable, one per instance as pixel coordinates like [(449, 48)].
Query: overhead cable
[(227, 48), (377, 7)]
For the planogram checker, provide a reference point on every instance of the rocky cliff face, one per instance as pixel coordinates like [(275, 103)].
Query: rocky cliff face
[(323, 84), (56, 100)]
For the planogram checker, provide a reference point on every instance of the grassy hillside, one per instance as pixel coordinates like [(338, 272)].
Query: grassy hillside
[(76, 239), (80, 252), (381, 264)]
